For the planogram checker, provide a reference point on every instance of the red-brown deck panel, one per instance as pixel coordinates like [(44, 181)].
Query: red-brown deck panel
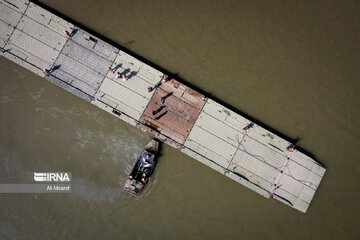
[(177, 105), (185, 93), (182, 108)]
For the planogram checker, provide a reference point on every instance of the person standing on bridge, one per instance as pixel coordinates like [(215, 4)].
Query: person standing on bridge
[(121, 76), (111, 69), (117, 76), (46, 71), (165, 78), (124, 77)]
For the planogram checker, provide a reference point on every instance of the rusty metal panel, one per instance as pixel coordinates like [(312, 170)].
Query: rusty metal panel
[(175, 116), (167, 118), (176, 105), (183, 92)]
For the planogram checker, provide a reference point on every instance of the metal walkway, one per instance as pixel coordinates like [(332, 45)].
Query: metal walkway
[(172, 112)]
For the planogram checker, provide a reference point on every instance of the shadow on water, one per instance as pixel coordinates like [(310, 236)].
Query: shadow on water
[(129, 42), (159, 155), (178, 78)]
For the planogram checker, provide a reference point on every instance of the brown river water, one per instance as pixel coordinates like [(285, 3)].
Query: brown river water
[(292, 65)]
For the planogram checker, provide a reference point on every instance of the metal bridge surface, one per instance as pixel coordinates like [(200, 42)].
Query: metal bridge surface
[(172, 112)]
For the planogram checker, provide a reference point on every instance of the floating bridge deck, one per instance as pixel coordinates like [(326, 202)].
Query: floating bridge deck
[(174, 113)]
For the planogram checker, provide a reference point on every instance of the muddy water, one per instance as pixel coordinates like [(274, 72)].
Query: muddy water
[(291, 65)]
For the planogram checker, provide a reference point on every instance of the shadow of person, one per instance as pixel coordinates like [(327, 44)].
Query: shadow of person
[(158, 110), (73, 32), (126, 71), (132, 74), (53, 69), (117, 67), (5, 50), (161, 115), (162, 99)]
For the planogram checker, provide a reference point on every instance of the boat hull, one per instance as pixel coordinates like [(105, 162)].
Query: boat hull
[(133, 184)]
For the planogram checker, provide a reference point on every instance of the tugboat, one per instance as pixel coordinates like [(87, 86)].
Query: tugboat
[(142, 168)]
